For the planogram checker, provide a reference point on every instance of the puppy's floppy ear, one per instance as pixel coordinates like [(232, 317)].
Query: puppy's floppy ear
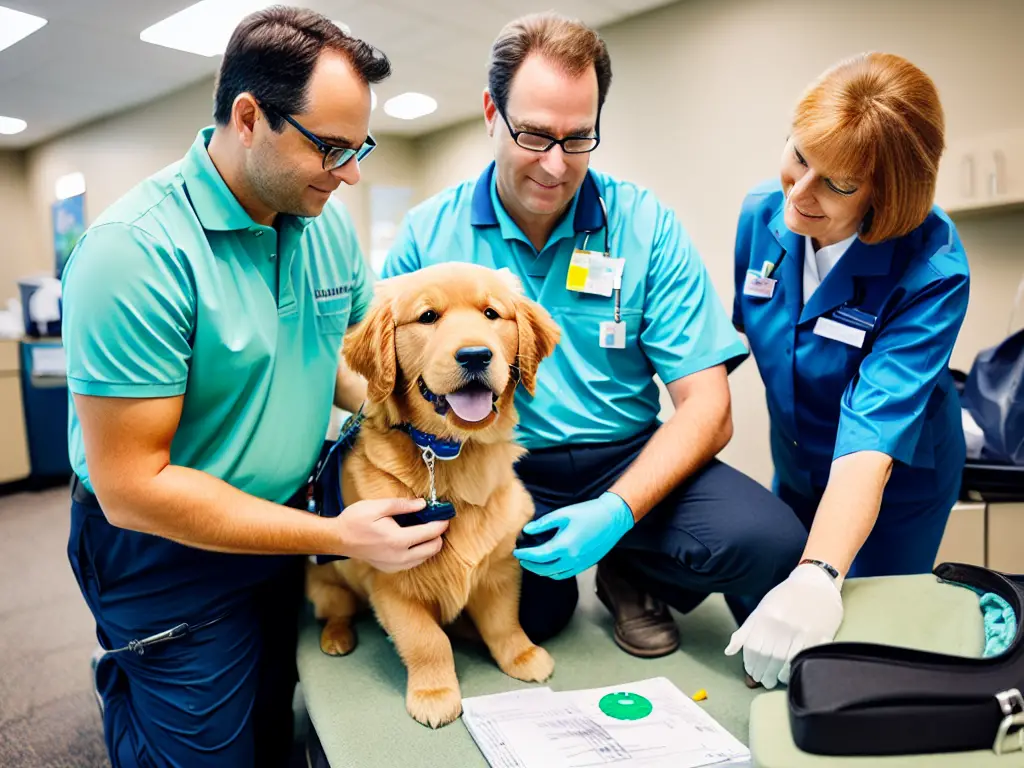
[(538, 335), (370, 350)]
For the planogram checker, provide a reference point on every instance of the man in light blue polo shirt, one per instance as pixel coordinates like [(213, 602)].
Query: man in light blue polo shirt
[(204, 314), (667, 522)]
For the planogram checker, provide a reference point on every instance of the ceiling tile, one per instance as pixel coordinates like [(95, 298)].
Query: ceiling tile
[(88, 60)]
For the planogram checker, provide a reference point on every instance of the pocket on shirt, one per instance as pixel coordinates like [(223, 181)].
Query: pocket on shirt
[(588, 317), (332, 314), (581, 333)]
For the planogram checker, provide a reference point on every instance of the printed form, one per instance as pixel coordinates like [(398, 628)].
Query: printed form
[(646, 724)]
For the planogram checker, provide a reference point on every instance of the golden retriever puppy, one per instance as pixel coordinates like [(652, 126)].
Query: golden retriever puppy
[(442, 351)]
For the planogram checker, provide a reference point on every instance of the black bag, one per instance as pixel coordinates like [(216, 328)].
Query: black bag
[(871, 699), (994, 396)]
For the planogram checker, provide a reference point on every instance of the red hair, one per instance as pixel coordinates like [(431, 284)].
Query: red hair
[(877, 116)]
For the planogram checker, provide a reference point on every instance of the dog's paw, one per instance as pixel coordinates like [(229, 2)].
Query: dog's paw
[(337, 638), (434, 706), (532, 665)]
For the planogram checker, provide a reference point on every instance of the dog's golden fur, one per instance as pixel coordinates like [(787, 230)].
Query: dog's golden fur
[(395, 348)]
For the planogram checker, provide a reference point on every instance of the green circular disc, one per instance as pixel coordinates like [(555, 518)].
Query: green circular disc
[(625, 706)]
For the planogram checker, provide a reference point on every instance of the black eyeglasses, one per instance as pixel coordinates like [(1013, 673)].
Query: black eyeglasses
[(334, 156), (542, 142)]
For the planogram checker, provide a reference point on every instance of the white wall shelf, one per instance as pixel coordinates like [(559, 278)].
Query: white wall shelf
[(982, 175)]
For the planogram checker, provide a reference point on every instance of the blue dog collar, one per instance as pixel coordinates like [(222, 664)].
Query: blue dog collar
[(446, 450), (325, 480), (439, 402)]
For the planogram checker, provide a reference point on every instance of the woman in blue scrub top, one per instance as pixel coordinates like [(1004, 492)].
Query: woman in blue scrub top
[(851, 288)]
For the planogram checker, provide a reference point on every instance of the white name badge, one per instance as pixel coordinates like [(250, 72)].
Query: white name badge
[(830, 329), (593, 272), (613, 335), (755, 285)]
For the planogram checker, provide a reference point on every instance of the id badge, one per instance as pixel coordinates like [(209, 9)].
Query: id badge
[(761, 287), (593, 272), (830, 329), (613, 335)]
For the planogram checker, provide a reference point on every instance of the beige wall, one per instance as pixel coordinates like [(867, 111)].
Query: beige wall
[(23, 251), (116, 153), (713, 83), (451, 155), (393, 163)]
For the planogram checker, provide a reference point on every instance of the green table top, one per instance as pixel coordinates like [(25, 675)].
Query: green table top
[(357, 702), (913, 611)]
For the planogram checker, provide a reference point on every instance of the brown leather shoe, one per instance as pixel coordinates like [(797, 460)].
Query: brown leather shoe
[(643, 625)]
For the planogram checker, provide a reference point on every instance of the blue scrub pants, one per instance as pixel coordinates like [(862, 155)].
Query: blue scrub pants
[(908, 532), (220, 695), (719, 531)]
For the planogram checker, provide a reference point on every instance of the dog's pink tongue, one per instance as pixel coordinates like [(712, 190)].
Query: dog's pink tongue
[(472, 405)]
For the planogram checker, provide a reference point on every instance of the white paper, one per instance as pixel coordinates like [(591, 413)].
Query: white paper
[(48, 360), (538, 728)]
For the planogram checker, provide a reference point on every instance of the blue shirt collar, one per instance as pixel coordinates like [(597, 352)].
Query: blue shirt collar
[(586, 211)]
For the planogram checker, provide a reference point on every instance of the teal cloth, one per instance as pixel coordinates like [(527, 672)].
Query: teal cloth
[(1000, 624), (998, 619)]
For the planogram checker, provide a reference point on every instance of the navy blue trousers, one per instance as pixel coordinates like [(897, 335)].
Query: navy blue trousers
[(907, 534), (719, 531), (220, 695)]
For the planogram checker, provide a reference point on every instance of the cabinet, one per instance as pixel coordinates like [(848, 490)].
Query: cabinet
[(982, 174), (44, 390), (989, 534), (1006, 537), (964, 539), (14, 463)]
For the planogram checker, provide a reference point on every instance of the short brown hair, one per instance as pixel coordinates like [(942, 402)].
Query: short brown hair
[(569, 44), (272, 54), (877, 116)]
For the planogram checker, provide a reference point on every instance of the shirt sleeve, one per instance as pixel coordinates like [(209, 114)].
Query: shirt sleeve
[(404, 255), (685, 328), (128, 311), (883, 408)]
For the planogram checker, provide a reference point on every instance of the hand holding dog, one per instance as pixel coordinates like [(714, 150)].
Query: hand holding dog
[(586, 532), (367, 531)]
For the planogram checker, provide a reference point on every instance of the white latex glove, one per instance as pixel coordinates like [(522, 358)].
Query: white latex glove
[(804, 610)]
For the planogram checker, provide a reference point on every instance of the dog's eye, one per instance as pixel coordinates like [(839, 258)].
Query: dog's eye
[(429, 317), (491, 314)]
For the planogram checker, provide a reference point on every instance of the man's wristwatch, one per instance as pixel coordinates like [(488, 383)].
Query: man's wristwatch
[(824, 566)]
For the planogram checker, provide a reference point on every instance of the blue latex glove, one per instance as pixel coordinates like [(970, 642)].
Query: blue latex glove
[(585, 534)]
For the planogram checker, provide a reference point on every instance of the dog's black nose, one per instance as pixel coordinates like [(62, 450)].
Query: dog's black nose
[(474, 359)]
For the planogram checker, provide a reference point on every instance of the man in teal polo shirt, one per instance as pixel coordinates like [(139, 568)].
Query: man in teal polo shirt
[(667, 522), (204, 314)]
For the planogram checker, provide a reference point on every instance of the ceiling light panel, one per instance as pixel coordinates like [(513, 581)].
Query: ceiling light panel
[(12, 125), (409, 106), (203, 28), (15, 26)]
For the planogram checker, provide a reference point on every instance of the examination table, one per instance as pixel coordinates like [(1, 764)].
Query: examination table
[(357, 703)]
